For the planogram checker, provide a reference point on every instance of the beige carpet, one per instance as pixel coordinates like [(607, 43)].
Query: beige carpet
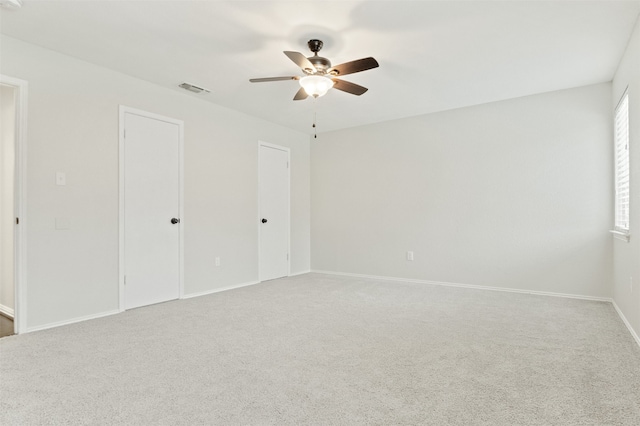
[(328, 350)]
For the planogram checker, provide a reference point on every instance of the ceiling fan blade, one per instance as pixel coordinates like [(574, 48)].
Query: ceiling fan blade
[(261, 80), (354, 66), (300, 95), (300, 60), (348, 87)]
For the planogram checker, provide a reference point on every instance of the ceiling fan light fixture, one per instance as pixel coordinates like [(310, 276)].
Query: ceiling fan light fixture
[(320, 76), (316, 85)]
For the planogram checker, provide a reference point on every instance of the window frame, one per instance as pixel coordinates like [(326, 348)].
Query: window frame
[(621, 166)]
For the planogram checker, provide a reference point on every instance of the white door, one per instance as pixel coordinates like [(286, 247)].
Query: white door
[(7, 202), (274, 211), (12, 197), (152, 153)]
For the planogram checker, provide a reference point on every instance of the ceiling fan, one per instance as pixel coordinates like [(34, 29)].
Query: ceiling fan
[(320, 76)]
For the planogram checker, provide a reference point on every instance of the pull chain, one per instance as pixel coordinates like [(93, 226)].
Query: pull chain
[(315, 112), (315, 131)]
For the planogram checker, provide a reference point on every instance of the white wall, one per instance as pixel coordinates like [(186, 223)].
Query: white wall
[(510, 194), (507, 194), (626, 256), (73, 128), (7, 167)]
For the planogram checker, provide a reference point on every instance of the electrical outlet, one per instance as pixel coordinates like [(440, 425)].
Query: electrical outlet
[(61, 178), (410, 255), (217, 261)]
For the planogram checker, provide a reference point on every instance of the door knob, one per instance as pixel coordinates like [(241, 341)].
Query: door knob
[(264, 220), (175, 220)]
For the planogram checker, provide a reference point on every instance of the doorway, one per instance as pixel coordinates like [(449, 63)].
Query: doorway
[(13, 97), (274, 202), (150, 208)]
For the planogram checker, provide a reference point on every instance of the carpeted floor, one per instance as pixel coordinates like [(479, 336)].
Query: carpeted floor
[(329, 350)]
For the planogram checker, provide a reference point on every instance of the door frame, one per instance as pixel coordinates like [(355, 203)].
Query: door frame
[(288, 151), (20, 204), (121, 261)]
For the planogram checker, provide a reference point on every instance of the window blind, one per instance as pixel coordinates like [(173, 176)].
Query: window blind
[(622, 164)]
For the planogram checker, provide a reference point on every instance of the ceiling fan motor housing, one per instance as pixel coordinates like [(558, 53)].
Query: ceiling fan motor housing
[(321, 64)]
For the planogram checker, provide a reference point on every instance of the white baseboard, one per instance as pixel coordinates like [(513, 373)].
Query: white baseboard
[(295, 274), (71, 321), (472, 286), (511, 290), (218, 290), (624, 320), (233, 287), (117, 311), (6, 311), (10, 312)]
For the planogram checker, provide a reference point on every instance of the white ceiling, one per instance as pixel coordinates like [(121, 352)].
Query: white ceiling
[(433, 55)]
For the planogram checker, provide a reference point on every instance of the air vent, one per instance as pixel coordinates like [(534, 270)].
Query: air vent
[(193, 88)]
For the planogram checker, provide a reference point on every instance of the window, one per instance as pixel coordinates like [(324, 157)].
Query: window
[(622, 164)]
